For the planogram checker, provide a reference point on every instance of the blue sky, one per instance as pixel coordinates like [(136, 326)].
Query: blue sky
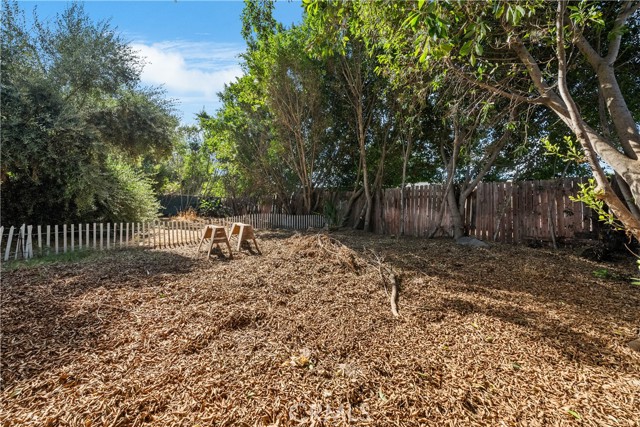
[(191, 47)]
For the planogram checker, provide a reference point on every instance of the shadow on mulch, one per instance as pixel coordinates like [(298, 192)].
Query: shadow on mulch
[(37, 312), (498, 275), (573, 345)]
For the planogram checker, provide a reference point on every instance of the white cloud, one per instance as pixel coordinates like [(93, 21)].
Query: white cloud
[(191, 72)]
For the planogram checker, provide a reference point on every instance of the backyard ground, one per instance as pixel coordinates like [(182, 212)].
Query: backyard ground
[(303, 335)]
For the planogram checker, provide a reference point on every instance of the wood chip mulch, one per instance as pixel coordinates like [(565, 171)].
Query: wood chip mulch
[(303, 335)]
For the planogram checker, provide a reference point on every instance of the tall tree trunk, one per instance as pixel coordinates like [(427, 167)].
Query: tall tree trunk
[(405, 160)]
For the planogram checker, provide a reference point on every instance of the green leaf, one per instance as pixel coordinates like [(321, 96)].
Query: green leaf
[(420, 4), (466, 48), (479, 49), (574, 414)]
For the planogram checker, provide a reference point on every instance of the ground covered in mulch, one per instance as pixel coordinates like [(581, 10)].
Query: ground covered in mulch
[(304, 335)]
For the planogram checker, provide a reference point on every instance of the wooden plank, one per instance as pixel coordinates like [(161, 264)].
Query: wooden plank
[(1, 236), (80, 236), (127, 241), (86, 235), (64, 238), (95, 240), (493, 202), (48, 239), (73, 231), (559, 194), (508, 218), (19, 242), (570, 214), (40, 249), (545, 210), (29, 252), (7, 251), (480, 211)]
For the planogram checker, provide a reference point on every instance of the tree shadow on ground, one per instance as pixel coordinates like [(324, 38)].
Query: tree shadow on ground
[(574, 345), (515, 285), (52, 313)]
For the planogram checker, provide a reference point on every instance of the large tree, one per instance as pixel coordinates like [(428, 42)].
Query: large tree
[(536, 52), (75, 120)]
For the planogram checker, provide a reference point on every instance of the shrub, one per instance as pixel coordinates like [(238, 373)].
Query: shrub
[(128, 195)]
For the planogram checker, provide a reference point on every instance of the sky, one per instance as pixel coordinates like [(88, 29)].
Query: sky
[(191, 47)]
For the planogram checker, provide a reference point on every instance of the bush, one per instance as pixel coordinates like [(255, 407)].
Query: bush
[(128, 195)]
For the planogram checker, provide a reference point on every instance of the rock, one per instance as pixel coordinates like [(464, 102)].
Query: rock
[(635, 344), (472, 241)]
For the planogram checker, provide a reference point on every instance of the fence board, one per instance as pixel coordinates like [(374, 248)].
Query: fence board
[(29, 242), (39, 239), (9, 240)]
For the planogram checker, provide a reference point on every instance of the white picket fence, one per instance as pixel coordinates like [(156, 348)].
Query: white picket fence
[(28, 241)]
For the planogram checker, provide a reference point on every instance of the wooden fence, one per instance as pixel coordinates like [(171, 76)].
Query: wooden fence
[(508, 212), (28, 241), (496, 211)]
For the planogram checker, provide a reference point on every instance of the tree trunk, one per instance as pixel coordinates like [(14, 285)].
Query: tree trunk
[(405, 161), (456, 216)]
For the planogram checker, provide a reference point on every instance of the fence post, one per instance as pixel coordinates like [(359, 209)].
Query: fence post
[(29, 242), (9, 239), (48, 239), (55, 235), (20, 242), (39, 239), (73, 230), (80, 236), (1, 235)]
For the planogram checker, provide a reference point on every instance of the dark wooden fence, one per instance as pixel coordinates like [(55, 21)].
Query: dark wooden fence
[(496, 211)]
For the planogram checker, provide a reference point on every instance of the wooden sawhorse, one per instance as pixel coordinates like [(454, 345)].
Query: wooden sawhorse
[(244, 233), (218, 235)]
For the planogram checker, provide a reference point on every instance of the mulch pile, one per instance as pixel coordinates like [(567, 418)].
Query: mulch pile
[(304, 335)]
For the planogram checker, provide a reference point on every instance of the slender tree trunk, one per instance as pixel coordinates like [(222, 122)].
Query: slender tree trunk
[(405, 160)]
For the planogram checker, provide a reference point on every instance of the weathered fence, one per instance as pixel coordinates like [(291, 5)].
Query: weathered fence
[(496, 211), (509, 212), (28, 241)]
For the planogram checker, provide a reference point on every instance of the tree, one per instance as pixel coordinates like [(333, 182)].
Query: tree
[(518, 50), (295, 96), (73, 111)]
